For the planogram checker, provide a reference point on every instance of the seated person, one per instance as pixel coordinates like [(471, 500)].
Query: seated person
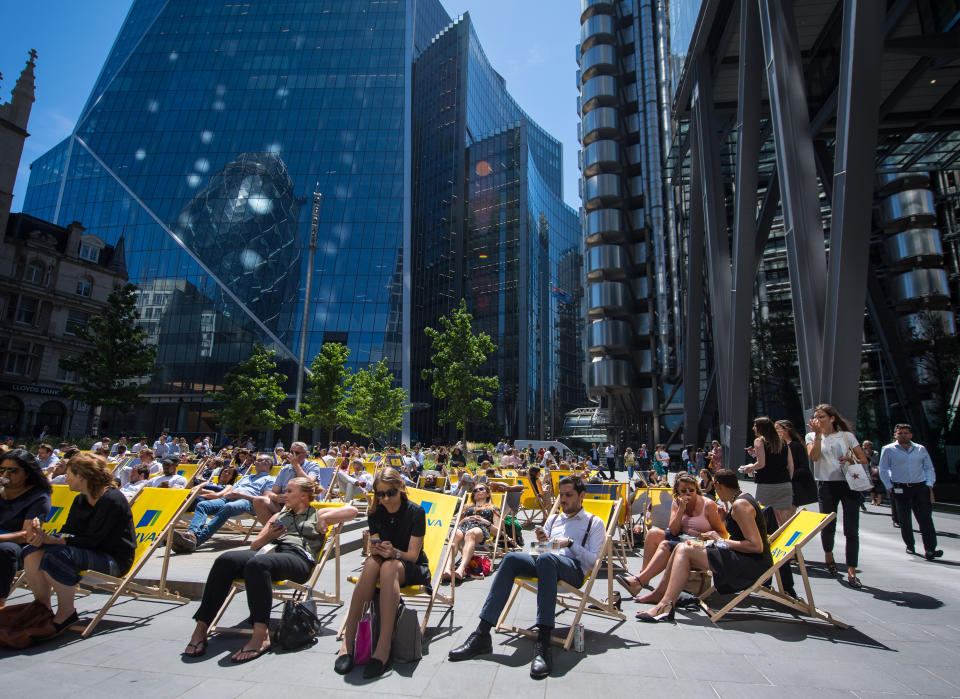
[(297, 534), (473, 529), (146, 458), (138, 481), (98, 535), (706, 484), (580, 538), (232, 501), (25, 496), (464, 484), (514, 494), (544, 498), (297, 466), (430, 483), (220, 477), (119, 455), (691, 515), (736, 562), (170, 477), (397, 527), (46, 457), (357, 482)]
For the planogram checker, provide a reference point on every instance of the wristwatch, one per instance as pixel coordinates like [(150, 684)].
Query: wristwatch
[(396, 554), (569, 542)]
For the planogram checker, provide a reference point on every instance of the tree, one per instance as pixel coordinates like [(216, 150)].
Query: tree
[(457, 355), (111, 371), (372, 406), (251, 393), (323, 404)]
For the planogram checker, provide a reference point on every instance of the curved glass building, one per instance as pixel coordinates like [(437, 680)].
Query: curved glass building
[(210, 125)]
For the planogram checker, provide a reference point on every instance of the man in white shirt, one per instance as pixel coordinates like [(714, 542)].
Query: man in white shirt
[(358, 481), (121, 441), (579, 536), (146, 459), (105, 442), (46, 457), (141, 443), (329, 459), (273, 499), (170, 477), (611, 455), (160, 447), (138, 480)]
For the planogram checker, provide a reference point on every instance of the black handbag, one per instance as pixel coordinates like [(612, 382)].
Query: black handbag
[(299, 624)]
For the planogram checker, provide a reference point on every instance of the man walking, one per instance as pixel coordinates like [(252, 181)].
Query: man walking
[(610, 453), (578, 537), (907, 472)]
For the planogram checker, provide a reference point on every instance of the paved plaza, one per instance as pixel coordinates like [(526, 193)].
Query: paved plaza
[(904, 642)]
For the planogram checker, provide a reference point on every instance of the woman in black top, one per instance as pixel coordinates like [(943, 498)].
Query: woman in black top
[(735, 562), (397, 528), (26, 494), (297, 534), (457, 459), (707, 488), (804, 485), (474, 527), (773, 469), (98, 535)]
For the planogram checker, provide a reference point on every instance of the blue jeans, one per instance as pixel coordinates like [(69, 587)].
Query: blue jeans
[(64, 563), (220, 510), (547, 568)]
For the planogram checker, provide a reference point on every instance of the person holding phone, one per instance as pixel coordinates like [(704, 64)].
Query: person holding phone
[(397, 528)]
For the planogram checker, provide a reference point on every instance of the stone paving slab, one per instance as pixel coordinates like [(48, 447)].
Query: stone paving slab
[(904, 642)]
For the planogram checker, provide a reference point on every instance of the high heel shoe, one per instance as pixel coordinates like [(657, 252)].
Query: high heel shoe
[(648, 618)]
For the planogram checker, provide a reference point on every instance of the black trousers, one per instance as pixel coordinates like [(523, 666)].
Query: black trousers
[(10, 555), (916, 500), (831, 495), (258, 573), (611, 467)]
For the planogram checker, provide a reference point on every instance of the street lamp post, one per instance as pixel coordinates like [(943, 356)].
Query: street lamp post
[(305, 321)]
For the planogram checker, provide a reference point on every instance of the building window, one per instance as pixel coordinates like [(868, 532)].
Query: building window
[(66, 376), (20, 358), (36, 273), (75, 321), (84, 287), (89, 253), (26, 311)]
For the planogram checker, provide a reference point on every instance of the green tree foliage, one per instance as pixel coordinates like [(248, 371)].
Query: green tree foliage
[(372, 406), (323, 403), (251, 393), (111, 371), (457, 356)]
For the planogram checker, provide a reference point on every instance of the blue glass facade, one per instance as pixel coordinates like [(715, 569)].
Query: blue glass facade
[(201, 145), (490, 225)]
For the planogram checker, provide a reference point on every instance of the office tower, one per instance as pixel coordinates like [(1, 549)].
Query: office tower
[(201, 143)]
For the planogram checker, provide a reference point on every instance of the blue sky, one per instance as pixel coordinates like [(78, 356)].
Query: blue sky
[(530, 42)]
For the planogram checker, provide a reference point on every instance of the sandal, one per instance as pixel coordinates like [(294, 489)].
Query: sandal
[(854, 582), (199, 649), (625, 581), (252, 654), (445, 578), (458, 578)]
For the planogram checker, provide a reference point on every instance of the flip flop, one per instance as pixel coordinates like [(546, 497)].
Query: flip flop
[(459, 579), (253, 655), (199, 649)]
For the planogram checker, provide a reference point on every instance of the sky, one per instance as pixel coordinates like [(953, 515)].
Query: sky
[(529, 42)]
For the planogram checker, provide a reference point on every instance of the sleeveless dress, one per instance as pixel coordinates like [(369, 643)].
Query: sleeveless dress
[(488, 513), (773, 480), (734, 570)]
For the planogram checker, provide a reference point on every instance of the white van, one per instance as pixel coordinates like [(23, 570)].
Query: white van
[(538, 444)]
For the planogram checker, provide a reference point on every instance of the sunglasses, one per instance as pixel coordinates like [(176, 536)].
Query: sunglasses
[(387, 493), (9, 469)]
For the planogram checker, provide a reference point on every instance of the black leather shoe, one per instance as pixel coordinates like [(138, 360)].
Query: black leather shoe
[(477, 644), (374, 669), (343, 664), (912, 551), (930, 555), (542, 663)]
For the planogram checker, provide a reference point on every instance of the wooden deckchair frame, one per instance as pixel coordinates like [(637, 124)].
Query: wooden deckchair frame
[(412, 594), (288, 589), (807, 607), (575, 598), (126, 585)]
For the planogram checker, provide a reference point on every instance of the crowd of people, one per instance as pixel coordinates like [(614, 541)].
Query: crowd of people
[(713, 525)]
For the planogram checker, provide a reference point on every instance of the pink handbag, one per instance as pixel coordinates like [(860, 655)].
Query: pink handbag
[(363, 648)]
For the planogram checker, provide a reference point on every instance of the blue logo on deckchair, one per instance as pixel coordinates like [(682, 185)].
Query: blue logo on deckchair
[(793, 537), (148, 519), (55, 512), (427, 506)]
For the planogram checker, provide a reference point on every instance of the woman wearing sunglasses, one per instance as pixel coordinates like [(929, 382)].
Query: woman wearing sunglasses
[(473, 528), (26, 494), (690, 516), (397, 527)]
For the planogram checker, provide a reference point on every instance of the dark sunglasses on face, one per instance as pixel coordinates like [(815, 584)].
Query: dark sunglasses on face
[(387, 493), (9, 469)]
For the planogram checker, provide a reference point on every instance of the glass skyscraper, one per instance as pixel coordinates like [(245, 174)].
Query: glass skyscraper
[(201, 144)]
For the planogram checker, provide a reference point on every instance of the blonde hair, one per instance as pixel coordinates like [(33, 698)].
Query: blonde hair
[(304, 485)]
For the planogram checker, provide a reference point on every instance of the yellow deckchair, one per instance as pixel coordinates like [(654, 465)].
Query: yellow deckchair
[(188, 471), (288, 589), (442, 512), (786, 543), (155, 511), (441, 482), (61, 500), (577, 598)]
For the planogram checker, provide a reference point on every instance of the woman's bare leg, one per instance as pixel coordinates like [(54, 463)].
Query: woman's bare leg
[(474, 536), (362, 593), (685, 559), (391, 578)]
